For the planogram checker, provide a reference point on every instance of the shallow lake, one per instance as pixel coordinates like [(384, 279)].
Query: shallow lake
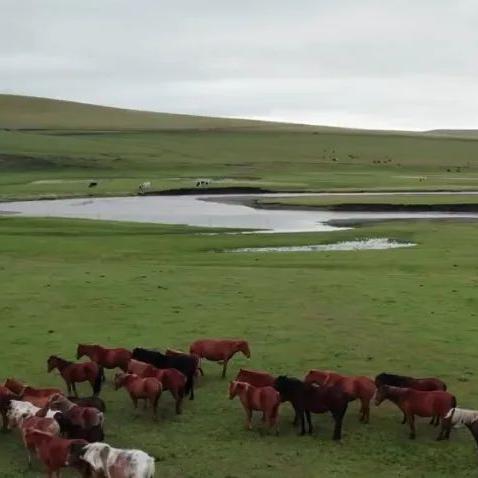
[(223, 211)]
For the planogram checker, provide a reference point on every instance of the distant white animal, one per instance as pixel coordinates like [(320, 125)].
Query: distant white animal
[(114, 462), (202, 182), (144, 186)]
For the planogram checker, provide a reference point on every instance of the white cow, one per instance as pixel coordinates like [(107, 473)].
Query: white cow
[(116, 463)]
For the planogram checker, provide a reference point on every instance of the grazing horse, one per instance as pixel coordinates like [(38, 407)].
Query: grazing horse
[(149, 388), (307, 398), (81, 422), (422, 384), (170, 378), (176, 353), (52, 451), (106, 358), (255, 377), (186, 364), (458, 417), (37, 396), (357, 387), (436, 403), (219, 350), (74, 373), (265, 399), (22, 415), (106, 461)]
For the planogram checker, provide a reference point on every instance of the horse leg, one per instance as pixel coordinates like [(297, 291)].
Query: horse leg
[(73, 386), (364, 410), (224, 368), (411, 422), (178, 396), (248, 419), (445, 430), (473, 430), (338, 416), (300, 415), (404, 419), (309, 421), (154, 404)]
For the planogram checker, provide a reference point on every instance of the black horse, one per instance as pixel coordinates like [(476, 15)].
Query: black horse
[(184, 363), (428, 384), (307, 398)]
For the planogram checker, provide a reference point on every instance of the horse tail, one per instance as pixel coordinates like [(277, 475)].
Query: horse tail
[(98, 381), (453, 401)]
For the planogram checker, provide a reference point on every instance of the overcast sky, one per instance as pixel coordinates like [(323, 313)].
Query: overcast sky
[(364, 63)]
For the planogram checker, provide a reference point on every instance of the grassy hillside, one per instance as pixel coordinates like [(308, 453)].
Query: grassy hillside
[(178, 149)]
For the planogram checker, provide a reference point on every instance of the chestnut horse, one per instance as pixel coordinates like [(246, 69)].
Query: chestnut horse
[(140, 388), (219, 350), (170, 378), (264, 399), (36, 396), (74, 373), (436, 403), (255, 377), (106, 358), (357, 387)]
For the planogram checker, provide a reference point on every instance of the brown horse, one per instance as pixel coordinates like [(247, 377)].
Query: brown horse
[(74, 373), (170, 378), (357, 387), (264, 399), (219, 350), (412, 402), (36, 396), (140, 388), (255, 377), (107, 358)]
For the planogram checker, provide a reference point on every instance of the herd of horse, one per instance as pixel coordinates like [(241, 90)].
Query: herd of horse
[(68, 431)]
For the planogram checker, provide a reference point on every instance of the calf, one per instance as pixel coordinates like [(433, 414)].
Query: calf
[(52, 451), (105, 460), (219, 350)]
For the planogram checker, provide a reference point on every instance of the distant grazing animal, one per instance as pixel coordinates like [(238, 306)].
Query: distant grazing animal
[(144, 186), (184, 363), (93, 184), (106, 461), (458, 417), (170, 378), (52, 451), (176, 353), (104, 357), (79, 421), (219, 350), (74, 373), (202, 182), (357, 387), (265, 399), (22, 415), (92, 402), (140, 388), (255, 377), (307, 398), (37, 396), (412, 402)]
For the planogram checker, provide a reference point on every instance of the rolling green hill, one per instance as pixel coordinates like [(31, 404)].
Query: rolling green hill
[(52, 148)]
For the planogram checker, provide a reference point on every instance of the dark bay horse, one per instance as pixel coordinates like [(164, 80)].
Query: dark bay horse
[(357, 387), (424, 384), (74, 373), (106, 358), (184, 363), (435, 403), (307, 398)]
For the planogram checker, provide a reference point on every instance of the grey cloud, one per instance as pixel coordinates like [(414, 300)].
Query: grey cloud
[(371, 63)]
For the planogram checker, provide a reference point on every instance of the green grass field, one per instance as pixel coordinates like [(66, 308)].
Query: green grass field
[(394, 200), (52, 148), (411, 310)]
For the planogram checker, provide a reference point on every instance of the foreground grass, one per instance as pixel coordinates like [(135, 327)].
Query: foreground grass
[(411, 311)]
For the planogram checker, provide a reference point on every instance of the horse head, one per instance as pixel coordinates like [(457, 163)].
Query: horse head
[(119, 380), (243, 346), (236, 387), (52, 363), (81, 351), (381, 394)]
